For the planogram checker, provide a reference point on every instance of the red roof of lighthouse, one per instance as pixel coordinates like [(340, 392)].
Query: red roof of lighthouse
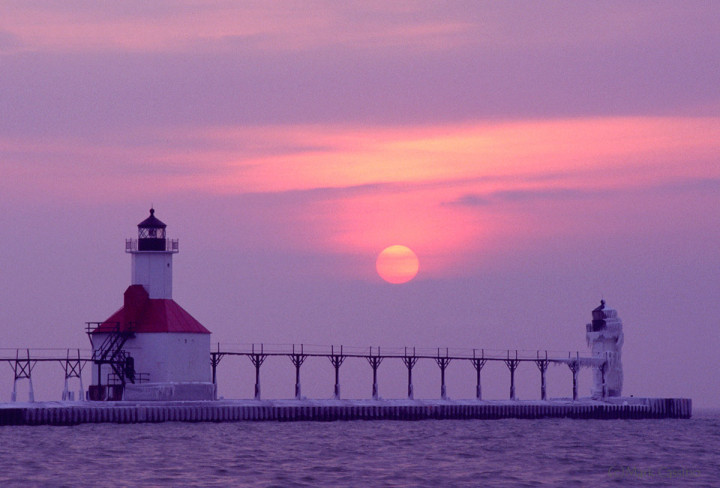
[(140, 313)]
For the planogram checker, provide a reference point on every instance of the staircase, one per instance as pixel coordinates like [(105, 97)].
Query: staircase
[(111, 352)]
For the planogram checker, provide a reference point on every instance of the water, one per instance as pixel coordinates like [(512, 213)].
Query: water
[(501, 453)]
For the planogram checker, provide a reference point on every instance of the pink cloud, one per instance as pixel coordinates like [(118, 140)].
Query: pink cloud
[(360, 189)]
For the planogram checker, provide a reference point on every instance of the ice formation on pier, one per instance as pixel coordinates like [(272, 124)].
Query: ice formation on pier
[(605, 338)]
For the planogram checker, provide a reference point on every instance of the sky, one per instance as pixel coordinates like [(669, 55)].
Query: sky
[(536, 157)]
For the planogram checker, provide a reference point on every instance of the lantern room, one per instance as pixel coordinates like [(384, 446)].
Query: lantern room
[(151, 234)]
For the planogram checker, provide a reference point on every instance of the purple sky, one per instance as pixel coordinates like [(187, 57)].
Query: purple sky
[(535, 156)]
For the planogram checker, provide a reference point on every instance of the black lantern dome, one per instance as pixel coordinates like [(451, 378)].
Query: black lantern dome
[(151, 234)]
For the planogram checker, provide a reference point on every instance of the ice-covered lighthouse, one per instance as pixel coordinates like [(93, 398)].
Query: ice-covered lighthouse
[(150, 349), (605, 338)]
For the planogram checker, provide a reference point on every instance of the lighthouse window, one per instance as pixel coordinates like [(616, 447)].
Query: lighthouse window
[(151, 233)]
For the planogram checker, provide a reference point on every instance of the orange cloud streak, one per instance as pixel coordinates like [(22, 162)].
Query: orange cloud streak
[(339, 157), (383, 186), (420, 170)]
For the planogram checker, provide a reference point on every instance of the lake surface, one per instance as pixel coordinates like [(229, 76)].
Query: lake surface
[(501, 453)]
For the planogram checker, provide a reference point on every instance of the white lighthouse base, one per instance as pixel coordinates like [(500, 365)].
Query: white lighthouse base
[(169, 391)]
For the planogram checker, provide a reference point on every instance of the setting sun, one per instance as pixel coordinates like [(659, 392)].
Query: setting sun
[(397, 264)]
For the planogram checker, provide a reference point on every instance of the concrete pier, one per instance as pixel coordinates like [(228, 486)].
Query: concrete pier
[(73, 413)]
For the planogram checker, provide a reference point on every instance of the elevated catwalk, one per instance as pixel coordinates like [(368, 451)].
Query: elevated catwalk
[(72, 413)]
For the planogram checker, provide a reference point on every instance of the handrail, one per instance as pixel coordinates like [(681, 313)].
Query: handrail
[(401, 352), (171, 245)]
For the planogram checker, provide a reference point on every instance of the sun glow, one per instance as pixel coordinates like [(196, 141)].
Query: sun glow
[(397, 264)]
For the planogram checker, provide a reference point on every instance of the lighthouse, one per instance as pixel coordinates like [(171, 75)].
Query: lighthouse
[(605, 338), (151, 348), (152, 257)]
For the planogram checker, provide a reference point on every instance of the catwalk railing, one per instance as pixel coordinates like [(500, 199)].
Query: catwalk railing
[(298, 353), (72, 361)]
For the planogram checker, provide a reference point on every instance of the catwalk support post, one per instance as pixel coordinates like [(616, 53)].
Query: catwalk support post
[(298, 358), (215, 358), (257, 359), (23, 370), (73, 369), (374, 361), (574, 366), (442, 362), (478, 363), (542, 365), (336, 360), (512, 365), (409, 362)]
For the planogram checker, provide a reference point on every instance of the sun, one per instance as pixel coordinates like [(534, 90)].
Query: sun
[(397, 264)]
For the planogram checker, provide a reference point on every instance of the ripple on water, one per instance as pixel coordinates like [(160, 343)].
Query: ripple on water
[(426, 453)]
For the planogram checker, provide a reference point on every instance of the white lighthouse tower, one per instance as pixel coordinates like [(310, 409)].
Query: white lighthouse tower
[(605, 339), (151, 349), (152, 257)]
